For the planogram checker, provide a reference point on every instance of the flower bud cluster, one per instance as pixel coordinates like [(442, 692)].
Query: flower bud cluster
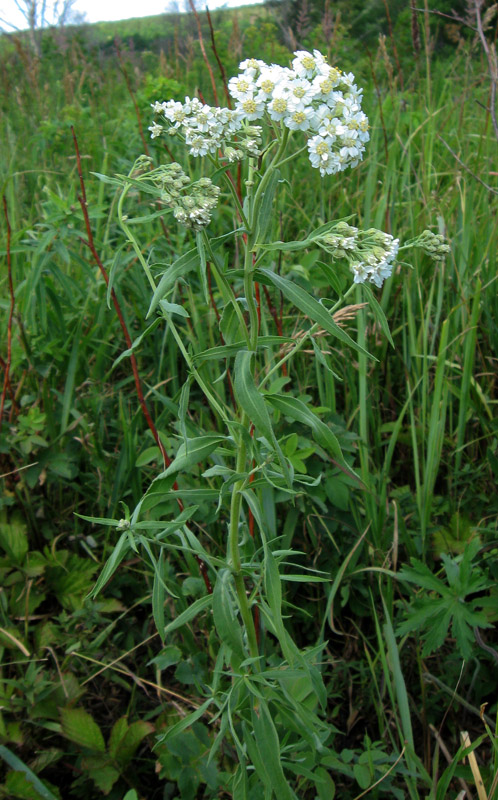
[(312, 97), (370, 253), (433, 244), (192, 202)]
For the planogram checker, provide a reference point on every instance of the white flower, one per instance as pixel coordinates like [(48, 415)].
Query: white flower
[(251, 108), (331, 127), (155, 130), (360, 271), (242, 87), (299, 92), (320, 150), (252, 66), (306, 65), (278, 108), (300, 120)]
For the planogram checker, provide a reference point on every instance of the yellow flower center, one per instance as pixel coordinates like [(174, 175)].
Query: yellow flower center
[(280, 105), (249, 106), (299, 117), (267, 87)]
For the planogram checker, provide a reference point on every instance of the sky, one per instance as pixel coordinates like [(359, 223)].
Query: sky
[(103, 10)]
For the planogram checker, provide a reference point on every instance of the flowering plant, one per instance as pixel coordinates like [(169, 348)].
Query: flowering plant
[(267, 699)]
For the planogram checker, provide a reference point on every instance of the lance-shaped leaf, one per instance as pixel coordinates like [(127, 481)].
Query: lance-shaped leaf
[(296, 409), (311, 307), (191, 452), (268, 745), (112, 563), (194, 608), (265, 215), (377, 311), (183, 265), (224, 614), (253, 403)]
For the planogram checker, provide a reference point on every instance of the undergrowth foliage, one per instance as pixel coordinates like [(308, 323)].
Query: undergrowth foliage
[(198, 353)]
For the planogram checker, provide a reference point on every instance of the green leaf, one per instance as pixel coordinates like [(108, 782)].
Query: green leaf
[(148, 455), (158, 595), (136, 343), (268, 746), (332, 276), (185, 723), (224, 613), (227, 350), (79, 727), (377, 311), (128, 745), (19, 766), (273, 588), (195, 608), (265, 210), (118, 731), (251, 400), (112, 563), (14, 539), (296, 409), (173, 308), (191, 452), (183, 265), (103, 774), (199, 240), (312, 308)]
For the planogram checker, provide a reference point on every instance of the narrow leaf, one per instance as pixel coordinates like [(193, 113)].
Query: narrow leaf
[(311, 307), (183, 265), (225, 618), (112, 563), (251, 400), (296, 409), (195, 608), (191, 452)]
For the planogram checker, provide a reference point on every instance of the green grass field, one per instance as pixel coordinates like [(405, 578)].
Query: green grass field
[(386, 579)]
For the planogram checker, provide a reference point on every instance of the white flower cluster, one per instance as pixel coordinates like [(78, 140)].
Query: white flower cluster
[(312, 97), (207, 129), (192, 203), (370, 253)]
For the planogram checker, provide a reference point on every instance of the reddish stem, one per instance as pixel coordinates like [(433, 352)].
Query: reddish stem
[(6, 380), (91, 245), (220, 65)]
